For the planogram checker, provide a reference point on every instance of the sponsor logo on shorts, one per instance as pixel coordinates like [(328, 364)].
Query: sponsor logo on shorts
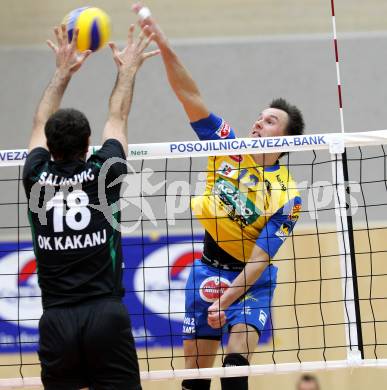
[(248, 297), (246, 311), (224, 130), (189, 325), (262, 317), (213, 287)]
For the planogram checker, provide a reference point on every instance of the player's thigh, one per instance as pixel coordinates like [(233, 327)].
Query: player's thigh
[(59, 350), (109, 348), (200, 353), (199, 296), (243, 340)]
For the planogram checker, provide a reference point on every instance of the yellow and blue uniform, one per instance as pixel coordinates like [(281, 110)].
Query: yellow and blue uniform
[(243, 205)]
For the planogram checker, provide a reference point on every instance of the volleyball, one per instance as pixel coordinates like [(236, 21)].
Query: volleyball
[(93, 25)]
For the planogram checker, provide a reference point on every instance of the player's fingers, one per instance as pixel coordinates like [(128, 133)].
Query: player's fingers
[(147, 31), (52, 46), (146, 42), (130, 34), (65, 36), (212, 311), (58, 35), (216, 316), (143, 23), (140, 38), (74, 38), (210, 322), (214, 323), (114, 49), (84, 55), (221, 317), (151, 54)]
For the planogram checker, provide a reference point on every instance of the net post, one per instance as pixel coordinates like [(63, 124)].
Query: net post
[(344, 224)]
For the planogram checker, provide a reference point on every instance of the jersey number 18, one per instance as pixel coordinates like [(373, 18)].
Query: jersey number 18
[(78, 215)]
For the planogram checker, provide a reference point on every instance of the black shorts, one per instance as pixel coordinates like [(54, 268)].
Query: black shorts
[(88, 345)]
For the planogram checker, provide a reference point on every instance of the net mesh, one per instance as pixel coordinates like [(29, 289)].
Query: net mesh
[(314, 315)]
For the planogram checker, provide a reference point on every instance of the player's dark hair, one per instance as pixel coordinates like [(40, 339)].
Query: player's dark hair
[(308, 378), (296, 123), (67, 132)]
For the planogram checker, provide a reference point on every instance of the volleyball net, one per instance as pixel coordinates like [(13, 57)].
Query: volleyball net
[(328, 309)]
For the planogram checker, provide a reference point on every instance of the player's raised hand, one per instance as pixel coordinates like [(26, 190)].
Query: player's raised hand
[(216, 315), (133, 55), (68, 59), (145, 19)]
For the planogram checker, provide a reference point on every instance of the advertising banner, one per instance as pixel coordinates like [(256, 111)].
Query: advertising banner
[(155, 274)]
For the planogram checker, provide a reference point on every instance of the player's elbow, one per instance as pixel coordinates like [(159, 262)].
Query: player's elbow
[(195, 108)]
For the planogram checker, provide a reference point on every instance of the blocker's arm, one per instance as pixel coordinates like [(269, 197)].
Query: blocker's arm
[(68, 61), (128, 62)]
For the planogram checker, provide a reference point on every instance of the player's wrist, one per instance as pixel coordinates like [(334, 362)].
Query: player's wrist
[(161, 39), (62, 74), (129, 70), (224, 303)]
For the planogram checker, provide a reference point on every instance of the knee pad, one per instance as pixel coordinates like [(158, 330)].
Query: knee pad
[(196, 384), (240, 382)]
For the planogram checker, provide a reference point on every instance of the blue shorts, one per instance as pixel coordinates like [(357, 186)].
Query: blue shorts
[(204, 285)]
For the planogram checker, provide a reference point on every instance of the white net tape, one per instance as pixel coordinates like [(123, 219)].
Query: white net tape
[(330, 141)]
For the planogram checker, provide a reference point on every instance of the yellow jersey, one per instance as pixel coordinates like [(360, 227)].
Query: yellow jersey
[(244, 204)]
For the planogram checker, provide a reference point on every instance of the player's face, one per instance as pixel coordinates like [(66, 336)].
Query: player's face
[(272, 122)]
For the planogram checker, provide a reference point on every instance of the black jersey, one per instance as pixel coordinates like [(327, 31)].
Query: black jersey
[(73, 213)]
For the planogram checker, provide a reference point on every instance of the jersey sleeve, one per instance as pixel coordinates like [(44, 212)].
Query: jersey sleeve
[(212, 128), (34, 164), (279, 227), (111, 148)]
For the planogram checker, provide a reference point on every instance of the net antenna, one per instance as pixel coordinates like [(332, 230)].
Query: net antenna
[(344, 223)]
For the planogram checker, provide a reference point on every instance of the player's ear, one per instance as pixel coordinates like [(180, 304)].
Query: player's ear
[(87, 146)]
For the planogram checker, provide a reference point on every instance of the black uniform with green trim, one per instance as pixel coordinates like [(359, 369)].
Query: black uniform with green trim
[(78, 251), (73, 210)]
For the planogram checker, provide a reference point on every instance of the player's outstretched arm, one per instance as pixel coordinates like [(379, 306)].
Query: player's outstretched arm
[(179, 78), (68, 61), (128, 61)]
